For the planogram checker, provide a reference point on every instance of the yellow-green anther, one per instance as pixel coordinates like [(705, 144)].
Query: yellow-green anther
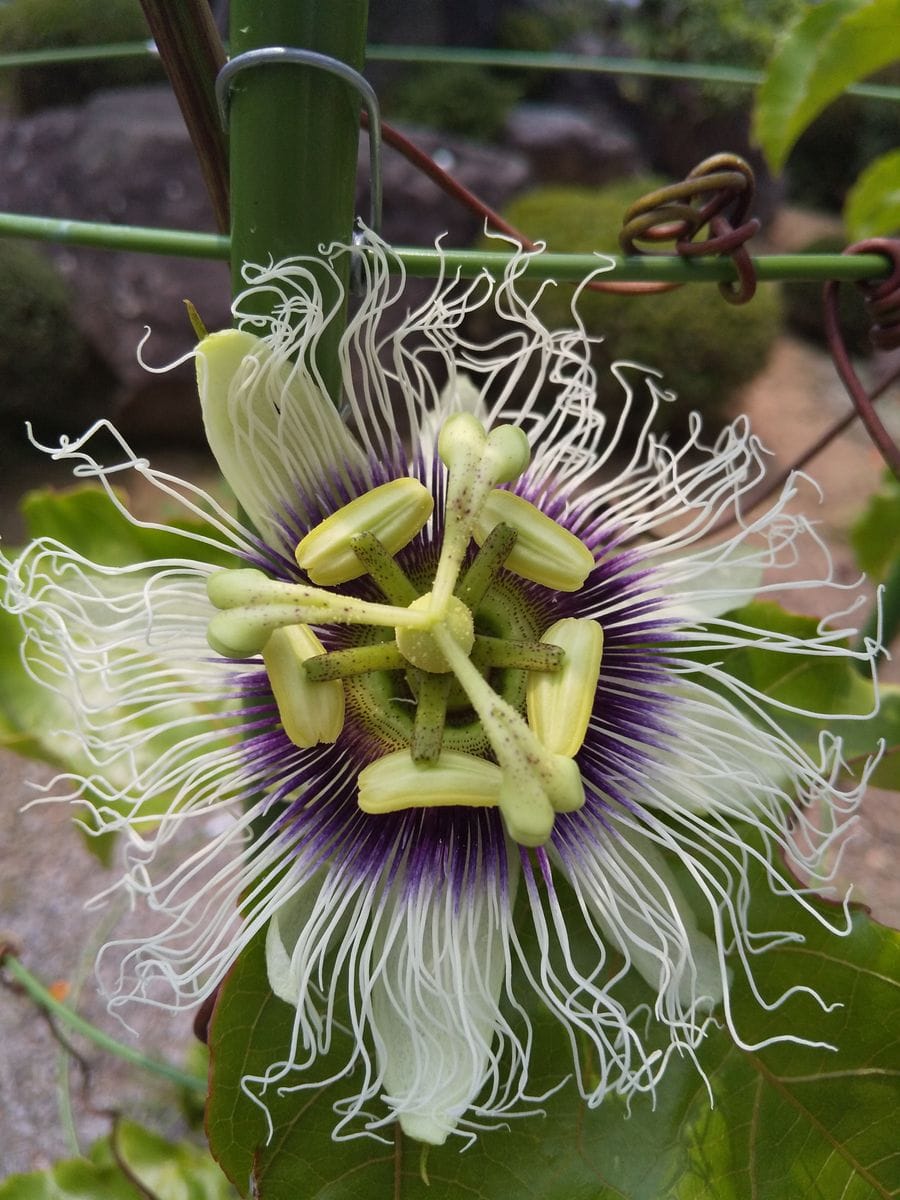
[(419, 647), (310, 712), (396, 782), (544, 551), (476, 462), (393, 512), (560, 703), (356, 660)]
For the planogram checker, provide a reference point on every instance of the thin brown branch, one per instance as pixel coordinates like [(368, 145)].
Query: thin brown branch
[(192, 53)]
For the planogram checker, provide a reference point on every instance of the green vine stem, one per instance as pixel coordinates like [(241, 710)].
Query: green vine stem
[(424, 262), (293, 134), (39, 994)]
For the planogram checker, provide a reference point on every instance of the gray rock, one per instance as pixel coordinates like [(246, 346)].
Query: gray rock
[(567, 145), (125, 157)]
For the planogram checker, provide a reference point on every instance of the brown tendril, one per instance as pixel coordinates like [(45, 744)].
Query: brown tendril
[(718, 192), (882, 301)]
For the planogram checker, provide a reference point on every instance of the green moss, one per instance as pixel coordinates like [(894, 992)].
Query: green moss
[(39, 24), (706, 347), (44, 360)]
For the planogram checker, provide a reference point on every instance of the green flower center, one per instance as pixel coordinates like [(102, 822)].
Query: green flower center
[(445, 678)]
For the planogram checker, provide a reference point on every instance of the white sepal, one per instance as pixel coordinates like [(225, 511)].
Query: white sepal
[(271, 429), (436, 1002), (635, 899)]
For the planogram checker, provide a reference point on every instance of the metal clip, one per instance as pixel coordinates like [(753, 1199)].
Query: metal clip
[(311, 58)]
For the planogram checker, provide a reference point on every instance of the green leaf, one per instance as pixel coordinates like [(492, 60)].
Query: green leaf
[(787, 1121), (875, 536), (86, 519), (872, 208), (794, 1121), (831, 46), (168, 1170)]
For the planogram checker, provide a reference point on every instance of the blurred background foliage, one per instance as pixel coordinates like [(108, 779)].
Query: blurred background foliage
[(39, 24), (710, 350)]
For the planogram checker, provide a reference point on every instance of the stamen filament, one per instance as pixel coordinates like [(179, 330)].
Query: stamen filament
[(473, 586), (358, 660), (390, 577), (526, 656), (431, 713)]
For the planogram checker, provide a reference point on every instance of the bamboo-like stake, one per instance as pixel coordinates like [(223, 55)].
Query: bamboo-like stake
[(293, 133)]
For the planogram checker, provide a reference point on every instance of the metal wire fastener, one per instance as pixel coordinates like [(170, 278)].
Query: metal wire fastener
[(334, 66)]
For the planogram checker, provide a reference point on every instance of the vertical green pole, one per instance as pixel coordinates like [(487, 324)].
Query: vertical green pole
[(293, 133)]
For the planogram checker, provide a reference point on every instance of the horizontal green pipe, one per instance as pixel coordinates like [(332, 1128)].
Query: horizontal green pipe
[(51, 56), (425, 262), (138, 238), (39, 994), (534, 60), (530, 60)]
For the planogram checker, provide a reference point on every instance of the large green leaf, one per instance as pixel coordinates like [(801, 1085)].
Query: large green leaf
[(787, 1121), (167, 1170), (87, 520), (831, 46), (875, 535), (873, 203)]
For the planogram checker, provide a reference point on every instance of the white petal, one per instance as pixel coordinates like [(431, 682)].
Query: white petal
[(282, 937), (713, 588), (435, 1004)]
